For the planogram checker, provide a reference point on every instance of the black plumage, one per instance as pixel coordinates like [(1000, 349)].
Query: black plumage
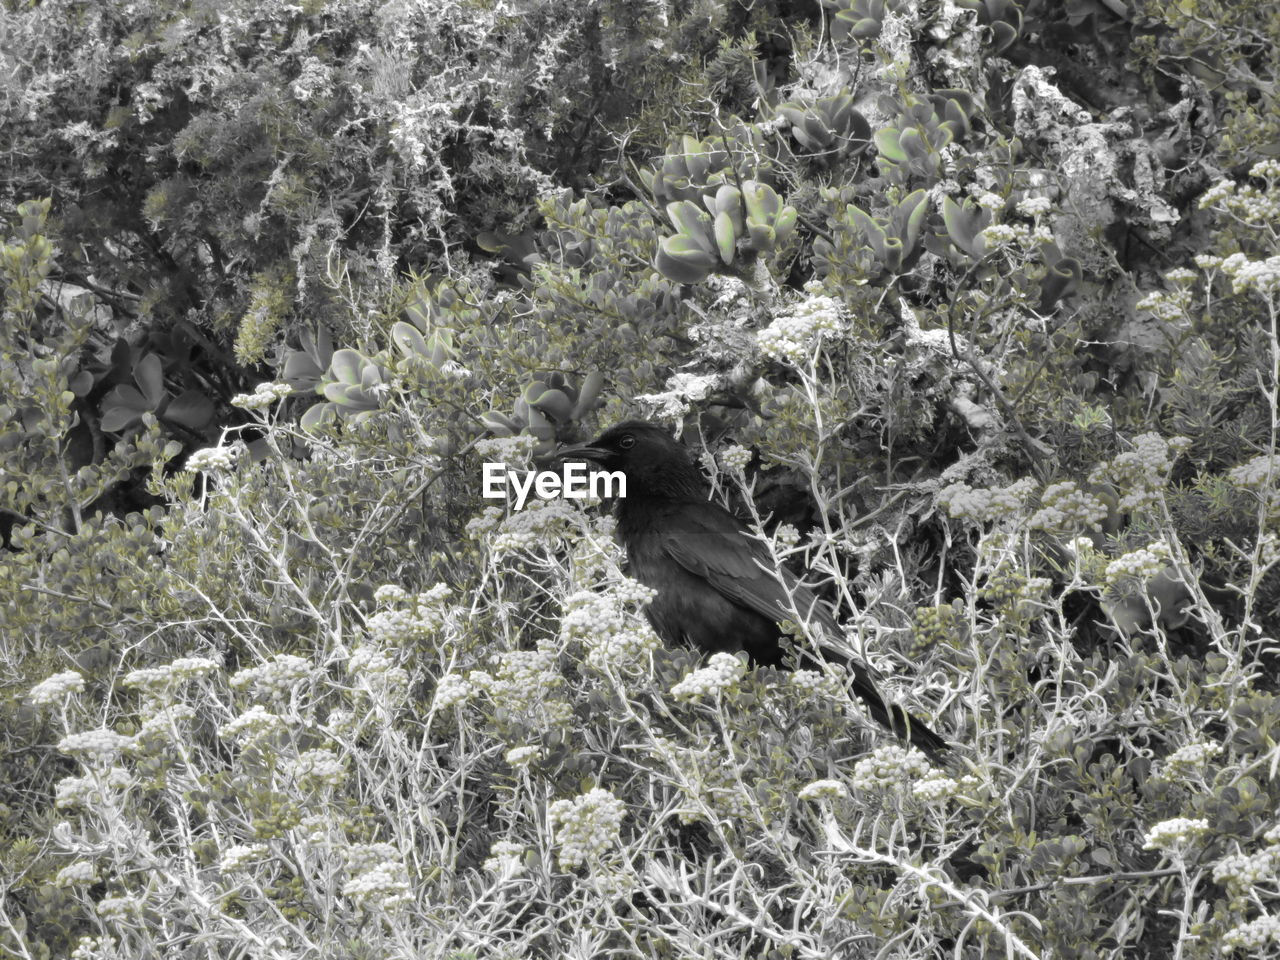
[(717, 588)]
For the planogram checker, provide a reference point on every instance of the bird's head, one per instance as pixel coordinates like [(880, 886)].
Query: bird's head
[(654, 463)]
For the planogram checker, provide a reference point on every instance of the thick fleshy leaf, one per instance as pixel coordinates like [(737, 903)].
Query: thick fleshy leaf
[(680, 270), (501, 424), (316, 415), (115, 419), (870, 228), (592, 384), (346, 366), (409, 340), (298, 366), (149, 376), (726, 237), (191, 409), (128, 398), (1061, 280), (909, 218), (81, 383), (555, 404), (693, 223), (889, 145), (964, 223), (761, 237)]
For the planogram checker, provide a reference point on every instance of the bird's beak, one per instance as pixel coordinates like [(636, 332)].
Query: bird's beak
[(582, 451)]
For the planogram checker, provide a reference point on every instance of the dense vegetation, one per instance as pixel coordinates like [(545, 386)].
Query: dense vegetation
[(972, 305)]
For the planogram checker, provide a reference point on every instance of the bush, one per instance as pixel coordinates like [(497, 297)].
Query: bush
[(977, 325)]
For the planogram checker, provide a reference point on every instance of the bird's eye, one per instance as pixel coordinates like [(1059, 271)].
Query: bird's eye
[(627, 442)]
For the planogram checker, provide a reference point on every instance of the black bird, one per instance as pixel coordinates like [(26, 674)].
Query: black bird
[(712, 591)]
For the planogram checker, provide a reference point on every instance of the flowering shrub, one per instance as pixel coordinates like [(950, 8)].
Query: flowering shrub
[(971, 319)]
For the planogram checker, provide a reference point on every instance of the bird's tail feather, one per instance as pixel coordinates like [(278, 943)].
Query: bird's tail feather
[(888, 715)]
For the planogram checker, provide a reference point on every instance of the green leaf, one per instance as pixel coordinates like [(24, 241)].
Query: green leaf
[(149, 376), (191, 409), (409, 340), (726, 237), (889, 145), (346, 366)]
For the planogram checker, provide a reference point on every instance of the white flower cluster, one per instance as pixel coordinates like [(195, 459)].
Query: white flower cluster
[(80, 873), (420, 619), (160, 682), (94, 948), (523, 681), (1207, 261), (451, 690), (1188, 759), (1169, 834), (1272, 835), (319, 767), (820, 790), (815, 683), (1014, 234), (117, 908), (488, 520), (722, 672), (254, 724), (390, 593), (1139, 475), (786, 536), (370, 661), (937, 788), (1268, 169), (1260, 473), (983, 505), (1241, 872), (1217, 193), (275, 679), (1167, 305), (512, 451), (92, 791), (95, 745), (241, 855), (1138, 565), (506, 859), (360, 857), (380, 887), (585, 827), (594, 556), (1034, 206), (1260, 275), (212, 459), (889, 768), (57, 688), (1065, 508), (1181, 276), (989, 201), (735, 457), (522, 756), (263, 396), (614, 637), (1254, 935), (162, 727), (318, 829), (791, 338), (340, 723), (540, 521)]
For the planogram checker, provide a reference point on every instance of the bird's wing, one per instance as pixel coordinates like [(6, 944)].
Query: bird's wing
[(714, 545), (711, 543)]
